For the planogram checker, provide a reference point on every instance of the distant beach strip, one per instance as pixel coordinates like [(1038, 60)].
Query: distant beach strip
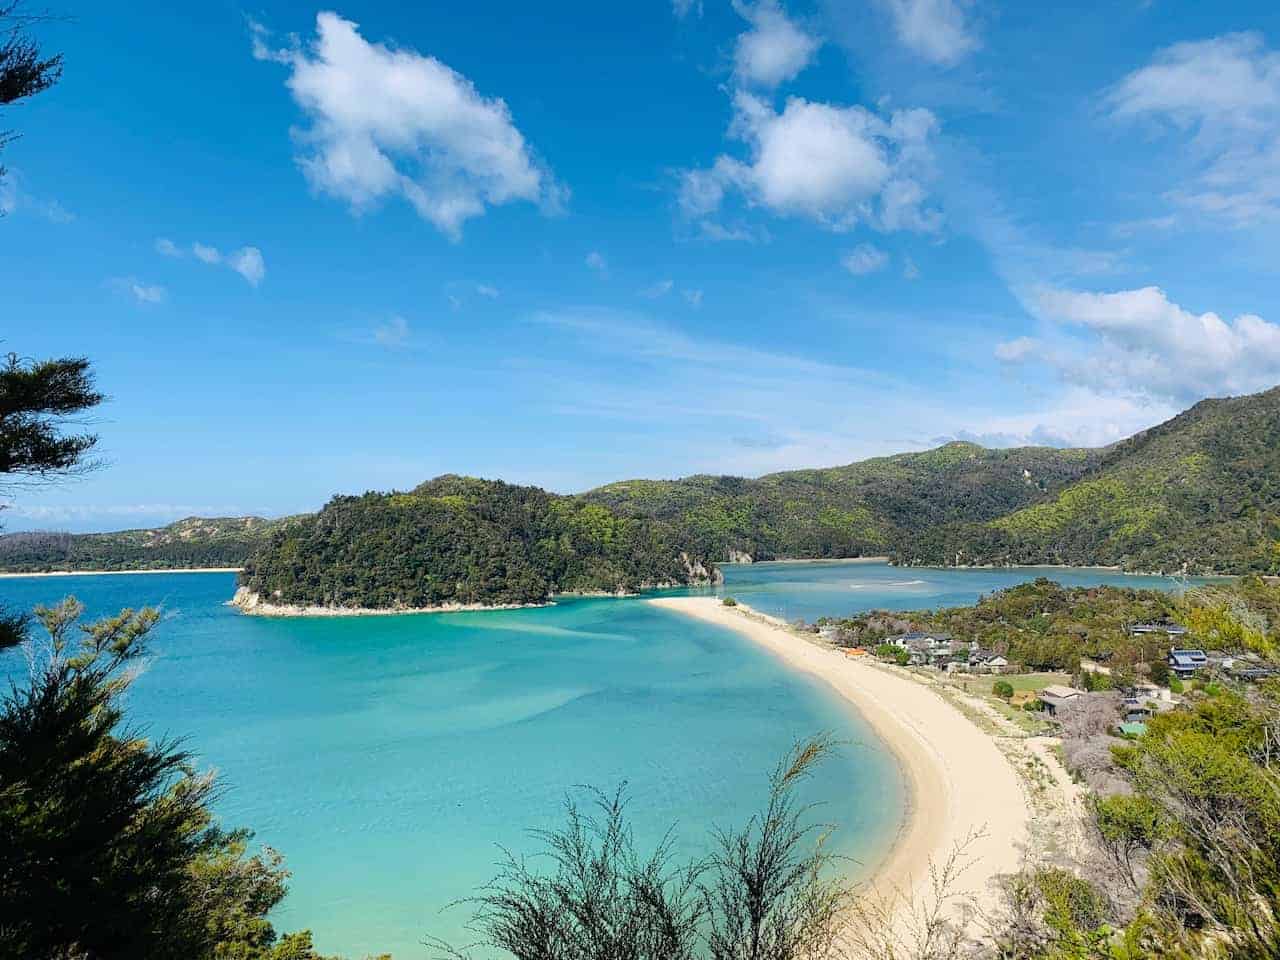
[(961, 787), (105, 573)]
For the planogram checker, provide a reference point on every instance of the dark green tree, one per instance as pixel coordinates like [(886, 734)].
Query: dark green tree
[(25, 69), (110, 849), (39, 401)]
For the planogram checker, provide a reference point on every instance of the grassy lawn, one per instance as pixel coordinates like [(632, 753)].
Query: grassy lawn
[(981, 686)]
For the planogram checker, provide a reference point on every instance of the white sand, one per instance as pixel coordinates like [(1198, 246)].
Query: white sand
[(114, 573), (959, 781)]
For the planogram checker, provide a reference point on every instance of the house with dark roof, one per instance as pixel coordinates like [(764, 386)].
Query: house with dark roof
[(1184, 663)]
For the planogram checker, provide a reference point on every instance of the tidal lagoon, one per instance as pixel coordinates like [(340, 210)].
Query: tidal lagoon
[(389, 757)]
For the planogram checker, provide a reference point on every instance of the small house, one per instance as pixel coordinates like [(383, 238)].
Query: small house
[(1056, 696), (1184, 663), (1166, 627)]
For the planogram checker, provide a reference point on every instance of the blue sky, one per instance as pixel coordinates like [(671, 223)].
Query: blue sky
[(317, 249)]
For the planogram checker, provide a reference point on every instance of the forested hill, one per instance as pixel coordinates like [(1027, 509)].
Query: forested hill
[(862, 509), (466, 541), (191, 543), (1202, 489)]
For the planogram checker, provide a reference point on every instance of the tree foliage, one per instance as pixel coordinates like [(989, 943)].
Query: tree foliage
[(468, 541), (110, 850), (38, 401), (25, 70), (191, 543), (766, 892), (1200, 492), (856, 510)]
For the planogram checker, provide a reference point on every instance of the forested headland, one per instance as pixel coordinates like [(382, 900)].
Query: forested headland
[(459, 540)]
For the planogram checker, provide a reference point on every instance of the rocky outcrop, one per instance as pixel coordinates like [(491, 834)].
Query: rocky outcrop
[(699, 574), (739, 556)]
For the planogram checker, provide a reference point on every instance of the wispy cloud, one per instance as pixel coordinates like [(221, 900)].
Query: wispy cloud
[(864, 259), (148, 293), (246, 261), (935, 30), (657, 290), (15, 198), (595, 260), (392, 333), (1220, 98), (721, 392), (487, 291)]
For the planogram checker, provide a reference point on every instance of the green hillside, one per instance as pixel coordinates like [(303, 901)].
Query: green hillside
[(861, 509), (194, 542), (462, 540), (1202, 489)]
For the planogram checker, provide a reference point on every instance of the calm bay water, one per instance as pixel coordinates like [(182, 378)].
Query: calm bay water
[(386, 757)]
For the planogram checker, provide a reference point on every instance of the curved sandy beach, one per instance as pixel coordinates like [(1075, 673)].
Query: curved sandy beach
[(959, 782)]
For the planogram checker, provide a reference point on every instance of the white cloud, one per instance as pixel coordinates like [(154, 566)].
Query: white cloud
[(864, 259), (148, 293), (394, 333), (487, 291), (682, 8), (1016, 350), (909, 270), (1139, 343), (933, 29), (693, 297), (656, 290), (248, 262), (1078, 417), (1223, 97), (835, 165), (596, 261), (206, 254), (387, 121), (16, 198), (774, 50)]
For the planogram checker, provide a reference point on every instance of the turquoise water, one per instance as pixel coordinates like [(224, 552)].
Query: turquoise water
[(810, 590), (386, 757)]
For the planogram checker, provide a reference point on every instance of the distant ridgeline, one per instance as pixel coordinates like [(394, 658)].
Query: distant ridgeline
[(458, 540), (1200, 491), (190, 543), (864, 509)]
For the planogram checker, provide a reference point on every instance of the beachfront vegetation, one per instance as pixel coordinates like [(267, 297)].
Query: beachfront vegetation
[(468, 541), (1200, 492), (1042, 625)]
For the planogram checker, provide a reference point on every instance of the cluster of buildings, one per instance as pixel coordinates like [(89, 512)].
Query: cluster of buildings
[(943, 651)]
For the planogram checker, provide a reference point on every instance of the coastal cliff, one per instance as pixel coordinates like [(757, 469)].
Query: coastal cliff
[(458, 543)]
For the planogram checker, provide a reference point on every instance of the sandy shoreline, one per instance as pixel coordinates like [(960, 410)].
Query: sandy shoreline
[(958, 780), (112, 573)]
